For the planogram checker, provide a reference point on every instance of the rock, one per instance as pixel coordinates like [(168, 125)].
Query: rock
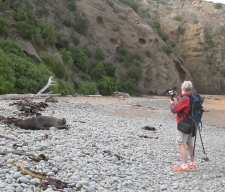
[(24, 179), (9, 189), (149, 128), (35, 181), (51, 173), (19, 189), (51, 99), (9, 180), (163, 188), (91, 188), (49, 190)]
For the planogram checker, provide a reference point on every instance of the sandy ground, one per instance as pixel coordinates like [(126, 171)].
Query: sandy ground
[(134, 108), (216, 114)]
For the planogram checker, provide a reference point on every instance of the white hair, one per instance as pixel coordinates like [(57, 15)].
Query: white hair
[(187, 86)]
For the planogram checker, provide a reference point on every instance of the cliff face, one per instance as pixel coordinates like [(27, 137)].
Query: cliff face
[(114, 26), (163, 42), (197, 29)]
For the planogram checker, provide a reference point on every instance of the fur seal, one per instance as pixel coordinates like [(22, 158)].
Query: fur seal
[(39, 123)]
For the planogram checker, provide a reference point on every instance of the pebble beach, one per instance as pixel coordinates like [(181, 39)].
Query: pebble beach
[(106, 148)]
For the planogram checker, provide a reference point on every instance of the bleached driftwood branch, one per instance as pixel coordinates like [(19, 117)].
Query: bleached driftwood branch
[(51, 82)]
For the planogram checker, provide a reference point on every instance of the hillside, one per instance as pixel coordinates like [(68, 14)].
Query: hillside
[(195, 31), (141, 47)]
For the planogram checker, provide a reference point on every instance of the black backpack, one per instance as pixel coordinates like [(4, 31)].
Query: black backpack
[(195, 119), (197, 109)]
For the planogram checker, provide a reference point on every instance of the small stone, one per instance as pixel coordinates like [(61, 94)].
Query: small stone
[(91, 187), (9, 180), (24, 179), (35, 181), (163, 188), (9, 189), (75, 178), (53, 129), (83, 182), (19, 189), (51, 173), (17, 175)]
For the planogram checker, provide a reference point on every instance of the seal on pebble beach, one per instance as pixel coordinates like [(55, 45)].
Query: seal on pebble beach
[(39, 123)]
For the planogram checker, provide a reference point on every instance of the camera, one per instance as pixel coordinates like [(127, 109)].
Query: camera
[(172, 93)]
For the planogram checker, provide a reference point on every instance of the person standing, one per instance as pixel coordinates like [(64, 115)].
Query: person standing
[(182, 108)]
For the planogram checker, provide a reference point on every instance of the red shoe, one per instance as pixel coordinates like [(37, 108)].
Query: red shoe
[(182, 169), (192, 166)]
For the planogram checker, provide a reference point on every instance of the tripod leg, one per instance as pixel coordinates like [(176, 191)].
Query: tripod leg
[(194, 143), (203, 148)]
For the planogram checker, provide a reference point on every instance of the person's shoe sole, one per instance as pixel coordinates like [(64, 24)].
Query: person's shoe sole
[(182, 170)]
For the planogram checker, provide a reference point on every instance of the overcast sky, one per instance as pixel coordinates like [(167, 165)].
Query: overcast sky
[(217, 1)]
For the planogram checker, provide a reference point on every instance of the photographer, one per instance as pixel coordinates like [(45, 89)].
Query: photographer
[(182, 107)]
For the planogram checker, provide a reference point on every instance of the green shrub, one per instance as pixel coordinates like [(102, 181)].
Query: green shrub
[(39, 31), (30, 77), (63, 88), (9, 46), (99, 55), (18, 73), (47, 32), (72, 5), (3, 26), (26, 30), (130, 72), (106, 86), (6, 86), (87, 88), (80, 58), (98, 71), (123, 53), (67, 57), (7, 77), (24, 12), (127, 87), (110, 69), (55, 65)]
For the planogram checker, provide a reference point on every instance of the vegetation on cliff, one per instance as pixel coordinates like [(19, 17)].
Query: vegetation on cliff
[(59, 38)]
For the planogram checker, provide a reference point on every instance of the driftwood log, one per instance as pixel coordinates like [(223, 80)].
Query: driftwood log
[(46, 181), (50, 83)]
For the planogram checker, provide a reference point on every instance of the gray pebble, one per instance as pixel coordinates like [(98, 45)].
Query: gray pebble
[(16, 175), (24, 179), (19, 189), (35, 181)]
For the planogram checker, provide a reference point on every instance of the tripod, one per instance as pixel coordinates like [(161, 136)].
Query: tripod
[(198, 130)]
